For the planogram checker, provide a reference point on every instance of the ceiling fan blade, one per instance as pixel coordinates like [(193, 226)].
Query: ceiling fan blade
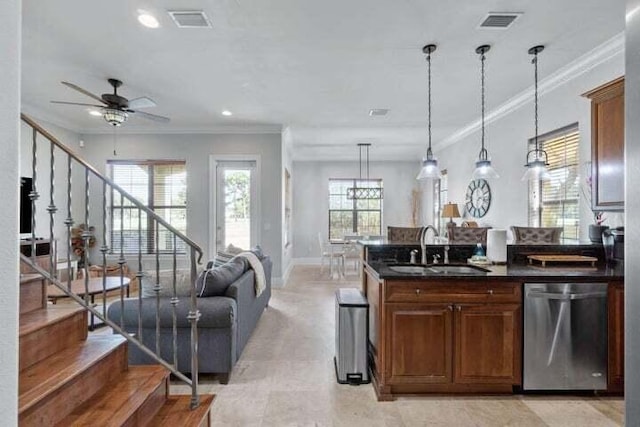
[(142, 102), (83, 91), (77, 103), (153, 117)]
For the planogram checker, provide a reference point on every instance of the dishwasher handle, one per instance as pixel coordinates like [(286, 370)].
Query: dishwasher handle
[(565, 297)]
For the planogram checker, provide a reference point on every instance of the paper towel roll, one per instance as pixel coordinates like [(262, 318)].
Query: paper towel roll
[(497, 245)]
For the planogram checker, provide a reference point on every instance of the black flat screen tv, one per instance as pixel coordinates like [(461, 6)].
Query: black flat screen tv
[(26, 187)]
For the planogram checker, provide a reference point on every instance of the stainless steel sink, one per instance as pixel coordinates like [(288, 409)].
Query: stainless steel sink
[(433, 269), (456, 269), (409, 269)]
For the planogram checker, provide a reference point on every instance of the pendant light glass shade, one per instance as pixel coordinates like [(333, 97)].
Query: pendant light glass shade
[(484, 169), (537, 158), (430, 167)]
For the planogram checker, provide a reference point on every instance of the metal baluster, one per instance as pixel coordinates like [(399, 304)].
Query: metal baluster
[(193, 317), (121, 261), (156, 288), (104, 248), (52, 212), (139, 274), (33, 195), (69, 223), (174, 303), (86, 236)]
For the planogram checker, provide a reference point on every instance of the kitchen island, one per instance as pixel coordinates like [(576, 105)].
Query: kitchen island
[(463, 333)]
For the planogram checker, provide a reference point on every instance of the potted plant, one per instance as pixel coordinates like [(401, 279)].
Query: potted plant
[(597, 228)]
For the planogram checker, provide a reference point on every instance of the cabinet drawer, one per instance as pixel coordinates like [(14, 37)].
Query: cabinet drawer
[(458, 291)]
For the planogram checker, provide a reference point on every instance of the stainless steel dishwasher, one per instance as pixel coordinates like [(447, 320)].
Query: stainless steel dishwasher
[(565, 336)]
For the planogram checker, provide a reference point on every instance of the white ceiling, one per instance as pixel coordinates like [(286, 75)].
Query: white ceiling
[(316, 67)]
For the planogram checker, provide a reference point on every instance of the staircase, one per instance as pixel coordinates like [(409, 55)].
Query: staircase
[(66, 376), (69, 378)]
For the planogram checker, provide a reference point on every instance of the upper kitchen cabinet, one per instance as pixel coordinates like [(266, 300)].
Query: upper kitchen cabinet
[(607, 146)]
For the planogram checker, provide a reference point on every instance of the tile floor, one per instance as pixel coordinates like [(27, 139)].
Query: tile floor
[(285, 377)]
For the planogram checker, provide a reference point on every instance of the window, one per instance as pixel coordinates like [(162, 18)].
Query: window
[(353, 217), (440, 195), (162, 187), (555, 203)]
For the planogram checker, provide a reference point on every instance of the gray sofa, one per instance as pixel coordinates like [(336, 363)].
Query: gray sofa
[(224, 328)]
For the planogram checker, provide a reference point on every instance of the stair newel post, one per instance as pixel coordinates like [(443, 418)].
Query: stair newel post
[(104, 248), (193, 317), (157, 286), (140, 274), (174, 303), (69, 222), (121, 260), (33, 195), (86, 236), (52, 213)]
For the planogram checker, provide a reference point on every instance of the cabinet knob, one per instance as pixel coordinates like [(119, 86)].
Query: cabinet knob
[(490, 291), (458, 308), (417, 291)]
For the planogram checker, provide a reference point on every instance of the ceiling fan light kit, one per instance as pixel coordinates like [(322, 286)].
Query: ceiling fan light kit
[(114, 117), (430, 167), (484, 169), (537, 160)]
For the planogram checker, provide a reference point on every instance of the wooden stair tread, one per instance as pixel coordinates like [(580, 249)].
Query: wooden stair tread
[(52, 373), (30, 277), (176, 412), (34, 320), (115, 404)]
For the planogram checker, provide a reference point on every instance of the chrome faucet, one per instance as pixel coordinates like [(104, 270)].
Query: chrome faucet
[(446, 254), (423, 243)]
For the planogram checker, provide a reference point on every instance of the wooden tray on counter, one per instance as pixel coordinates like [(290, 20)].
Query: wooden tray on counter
[(544, 259)]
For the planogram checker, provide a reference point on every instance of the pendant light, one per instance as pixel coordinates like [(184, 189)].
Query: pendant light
[(359, 192), (430, 167), (537, 160), (483, 169)]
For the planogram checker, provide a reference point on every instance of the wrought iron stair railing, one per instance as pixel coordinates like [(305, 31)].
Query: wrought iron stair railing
[(178, 242)]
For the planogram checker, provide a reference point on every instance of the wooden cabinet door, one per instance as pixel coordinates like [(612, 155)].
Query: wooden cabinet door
[(487, 344), (607, 146), (420, 343), (616, 337)]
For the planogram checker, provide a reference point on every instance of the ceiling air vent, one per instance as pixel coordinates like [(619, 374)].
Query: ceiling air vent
[(378, 112), (499, 20), (190, 18)]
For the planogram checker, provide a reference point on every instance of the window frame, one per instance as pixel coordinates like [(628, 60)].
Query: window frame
[(440, 196), (354, 224), (151, 225), (536, 187)]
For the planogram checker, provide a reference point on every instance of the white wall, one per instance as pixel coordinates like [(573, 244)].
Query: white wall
[(311, 200), (196, 149), (10, 41), (632, 204), (507, 138)]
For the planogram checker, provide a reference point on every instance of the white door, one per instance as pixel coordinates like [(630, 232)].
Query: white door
[(236, 204)]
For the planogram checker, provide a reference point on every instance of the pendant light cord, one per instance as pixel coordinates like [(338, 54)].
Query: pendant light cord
[(535, 74), (429, 153), (482, 100)]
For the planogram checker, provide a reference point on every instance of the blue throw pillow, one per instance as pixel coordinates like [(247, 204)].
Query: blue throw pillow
[(214, 282)]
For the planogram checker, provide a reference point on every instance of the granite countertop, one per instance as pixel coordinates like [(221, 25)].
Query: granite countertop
[(519, 272)]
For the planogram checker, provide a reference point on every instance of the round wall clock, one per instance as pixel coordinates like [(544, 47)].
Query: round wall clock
[(478, 198)]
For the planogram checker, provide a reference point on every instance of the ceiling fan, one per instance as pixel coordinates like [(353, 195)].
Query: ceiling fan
[(115, 109)]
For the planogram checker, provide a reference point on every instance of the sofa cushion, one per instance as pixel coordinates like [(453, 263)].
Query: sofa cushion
[(183, 287), (215, 281)]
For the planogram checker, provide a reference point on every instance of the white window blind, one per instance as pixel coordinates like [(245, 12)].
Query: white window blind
[(555, 203), (361, 217), (162, 187)]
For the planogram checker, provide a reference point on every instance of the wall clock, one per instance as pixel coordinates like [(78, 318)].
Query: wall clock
[(478, 198)]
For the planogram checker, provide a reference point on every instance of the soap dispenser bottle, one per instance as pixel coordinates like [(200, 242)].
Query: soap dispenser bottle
[(479, 251)]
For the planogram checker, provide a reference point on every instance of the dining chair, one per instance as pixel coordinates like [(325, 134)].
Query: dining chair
[(327, 250), (403, 234), (536, 235)]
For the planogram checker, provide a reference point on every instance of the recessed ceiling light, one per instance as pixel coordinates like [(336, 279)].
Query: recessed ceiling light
[(95, 113), (378, 112), (148, 20), (227, 113)]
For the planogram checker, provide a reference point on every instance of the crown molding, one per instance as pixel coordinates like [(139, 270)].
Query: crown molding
[(595, 57)]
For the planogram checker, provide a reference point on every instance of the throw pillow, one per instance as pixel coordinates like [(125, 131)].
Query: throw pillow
[(215, 281), (183, 287)]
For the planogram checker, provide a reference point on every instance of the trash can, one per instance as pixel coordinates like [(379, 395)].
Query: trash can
[(352, 337)]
